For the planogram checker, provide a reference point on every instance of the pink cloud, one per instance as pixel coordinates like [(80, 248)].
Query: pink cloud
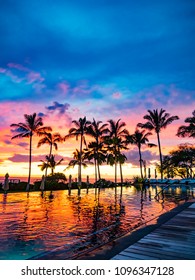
[(64, 87), (2, 70), (35, 158), (31, 76), (18, 67), (34, 77), (116, 95), (8, 73), (81, 90)]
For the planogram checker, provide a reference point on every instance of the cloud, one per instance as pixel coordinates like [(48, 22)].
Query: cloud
[(18, 67), (116, 95), (37, 158), (22, 144), (8, 142), (63, 87), (40, 114), (59, 107), (148, 156), (17, 79), (33, 77)]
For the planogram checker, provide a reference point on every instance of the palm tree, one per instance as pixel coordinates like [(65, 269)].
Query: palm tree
[(78, 159), (98, 130), (51, 140), (97, 152), (157, 120), (32, 125), (117, 132), (80, 130), (188, 130), (50, 163), (140, 138), (114, 147)]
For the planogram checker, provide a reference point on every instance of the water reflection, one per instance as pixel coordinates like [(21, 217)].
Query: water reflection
[(4, 201), (34, 224)]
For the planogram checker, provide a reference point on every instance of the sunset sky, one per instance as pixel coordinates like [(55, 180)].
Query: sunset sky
[(100, 59)]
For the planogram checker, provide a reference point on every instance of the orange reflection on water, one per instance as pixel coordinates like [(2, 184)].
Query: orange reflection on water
[(34, 224)]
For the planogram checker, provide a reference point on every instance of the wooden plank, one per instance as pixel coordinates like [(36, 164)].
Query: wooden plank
[(167, 243), (133, 254), (167, 250), (148, 253), (159, 253)]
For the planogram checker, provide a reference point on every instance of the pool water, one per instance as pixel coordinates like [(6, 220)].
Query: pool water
[(32, 225)]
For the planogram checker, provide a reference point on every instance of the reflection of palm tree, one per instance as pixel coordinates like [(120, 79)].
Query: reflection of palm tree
[(50, 163), (98, 130), (156, 121), (140, 138), (51, 140), (188, 130), (80, 130), (33, 125)]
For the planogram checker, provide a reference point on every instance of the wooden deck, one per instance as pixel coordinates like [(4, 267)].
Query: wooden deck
[(173, 240)]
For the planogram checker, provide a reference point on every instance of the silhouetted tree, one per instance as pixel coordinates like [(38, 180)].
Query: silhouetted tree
[(80, 129), (140, 138), (158, 120), (32, 125), (188, 130)]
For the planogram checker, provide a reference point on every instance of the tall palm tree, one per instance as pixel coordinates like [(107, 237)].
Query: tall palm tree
[(32, 125), (80, 129), (117, 132), (51, 140), (50, 163), (188, 130), (157, 120), (98, 130), (140, 138)]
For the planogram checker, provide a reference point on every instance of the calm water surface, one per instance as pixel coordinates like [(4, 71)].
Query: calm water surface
[(34, 225)]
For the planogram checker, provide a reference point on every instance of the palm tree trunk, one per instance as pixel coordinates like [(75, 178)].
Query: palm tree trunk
[(115, 154), (80, 161), (115, 180), (121, 172), (48, 160), (160, 153), (95, 170), (30, 160), (98, 168), (140, 162)]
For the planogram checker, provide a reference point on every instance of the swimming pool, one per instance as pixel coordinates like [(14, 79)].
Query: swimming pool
[(33, 225)]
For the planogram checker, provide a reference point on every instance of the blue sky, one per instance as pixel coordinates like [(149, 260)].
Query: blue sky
[(131, 45)]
